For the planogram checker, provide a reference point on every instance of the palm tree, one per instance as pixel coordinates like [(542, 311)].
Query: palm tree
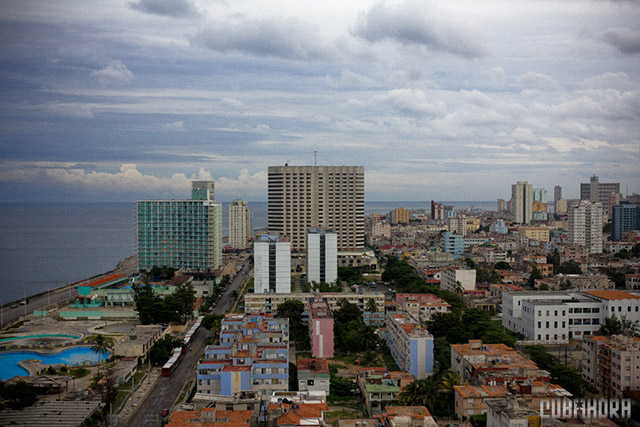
[(448, 381), (100, 347), (422, 392), (371, 306), (458, 288)]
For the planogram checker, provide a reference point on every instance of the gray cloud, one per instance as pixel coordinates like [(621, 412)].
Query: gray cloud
[(114, 74), (623, 39), (172, 8), (286, 39), (413, 23)]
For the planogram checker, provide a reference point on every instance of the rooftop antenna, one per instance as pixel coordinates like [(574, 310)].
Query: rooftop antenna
[(315, 158)]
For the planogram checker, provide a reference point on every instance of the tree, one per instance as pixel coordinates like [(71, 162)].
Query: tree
[(615, 326), (108, 388), (533, 276), (423, 392), (457, 288), (100, 347), (569, 267), (185, 296), (145, 300), (371, 306), (502, 265), (162, 349), (298, 329), (448, 380), (470, 263), (543, 287), (18, 395), (293, 377)]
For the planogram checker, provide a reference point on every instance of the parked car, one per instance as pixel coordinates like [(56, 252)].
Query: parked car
[(14, 305), (164, 412)]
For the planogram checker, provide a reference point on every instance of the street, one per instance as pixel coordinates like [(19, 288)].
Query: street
[(167, 389)]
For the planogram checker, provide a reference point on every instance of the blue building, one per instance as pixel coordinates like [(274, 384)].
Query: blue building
[(626, 217), (453, 243), (500, 227), (411, 345), (253, 354)]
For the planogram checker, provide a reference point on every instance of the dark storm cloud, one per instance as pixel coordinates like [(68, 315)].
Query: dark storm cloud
[(172, 8), (623, 39), (286, 39), (415, 24)]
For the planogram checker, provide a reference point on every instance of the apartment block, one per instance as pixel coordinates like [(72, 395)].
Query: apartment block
[(556, 317), (632, 281), (596, 191), (626, 218), (321, 328), (253, 354), (457, 225), (240, 224), (324, 197), (453, 278), (268, 303), (272, 265), (381, 229), (535, 233), (522, 202), (453, 243), (322, 256), (400, 216), (612, 364), (181, 234), (421, 307), (313, 375), (585, 226), (379, 388), (410, 344), (478, 363)]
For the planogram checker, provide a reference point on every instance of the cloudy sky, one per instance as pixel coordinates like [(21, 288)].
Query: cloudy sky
[(445, 100)]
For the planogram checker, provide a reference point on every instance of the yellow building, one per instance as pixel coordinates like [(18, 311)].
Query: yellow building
[(536, 233), (473, 224)]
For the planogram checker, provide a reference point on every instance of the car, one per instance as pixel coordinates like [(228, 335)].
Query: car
[(164, 412), (24, 302), (14, 305)]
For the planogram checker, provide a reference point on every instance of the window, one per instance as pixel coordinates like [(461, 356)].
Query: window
[(309, 382)]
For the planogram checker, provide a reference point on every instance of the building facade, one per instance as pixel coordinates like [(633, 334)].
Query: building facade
[(612, 364), (522, 202), (325, 197), (585, 226), (410, 344), (320, 328), (272, 265), (322, 256), (240, 224), (450, 277), (400, 216), (181, 234), (596, 191), (626, 218)]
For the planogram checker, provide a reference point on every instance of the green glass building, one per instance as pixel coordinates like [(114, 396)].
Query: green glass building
[(182, 234)]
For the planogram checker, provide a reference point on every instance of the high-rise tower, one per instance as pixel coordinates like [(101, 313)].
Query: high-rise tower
[(324, 197), (522, 202), (240, 227), (585, 226)]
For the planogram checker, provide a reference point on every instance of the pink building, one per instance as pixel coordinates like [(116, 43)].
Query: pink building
[(321, 328)]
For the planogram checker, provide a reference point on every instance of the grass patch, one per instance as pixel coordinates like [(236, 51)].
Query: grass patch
[(346, 358), (122, 395), (390, 363), (79, 372), (338, 365), (332, 416)]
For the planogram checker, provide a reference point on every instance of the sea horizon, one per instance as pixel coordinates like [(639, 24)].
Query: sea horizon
[(45, 245)]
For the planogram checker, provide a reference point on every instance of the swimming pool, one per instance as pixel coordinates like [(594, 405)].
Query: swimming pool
[(22, 337), (72, 356)]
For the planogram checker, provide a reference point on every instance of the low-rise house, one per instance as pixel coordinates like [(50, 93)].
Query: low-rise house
[(409, 416), (632, 281), (138, 341), (313, 375), (378, 389), (210, 417), (421, 306)]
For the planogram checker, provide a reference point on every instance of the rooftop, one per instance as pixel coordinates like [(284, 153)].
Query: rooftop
[(612, 295), (316, 365)]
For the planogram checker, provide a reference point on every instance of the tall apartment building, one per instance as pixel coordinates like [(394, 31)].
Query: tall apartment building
[(182, 234), (240, 224), (272, 265), (626, 218), (539, 207), (400, 216), (457, 225), (322, 256), (500, 205), (611, 363), (522, 202), (438, 210), (557, 193), (320, 328), (253, 354), (585, 226), (596, 191), (410, 344), (325, 197)]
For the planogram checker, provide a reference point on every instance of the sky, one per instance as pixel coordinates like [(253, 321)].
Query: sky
[(445, 100)]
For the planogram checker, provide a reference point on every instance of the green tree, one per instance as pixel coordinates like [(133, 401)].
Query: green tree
[(108, 387), (502, 265), (371, 306), (293, 377), (569, 267), (533, 276), (423, 392), (19, 395), (162, 349), (448, 380), (299, 331), (145, 301), (470, 263), (100, 347), (185, 297)]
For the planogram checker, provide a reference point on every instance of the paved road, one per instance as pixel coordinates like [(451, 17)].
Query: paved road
[(58, 295), (167, 389)]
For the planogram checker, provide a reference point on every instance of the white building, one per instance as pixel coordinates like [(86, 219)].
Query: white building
[(272, 260), (585, 226), (522, 202), (611, 363), (240, 224), (322, 256), (450, 276), (556, 317)]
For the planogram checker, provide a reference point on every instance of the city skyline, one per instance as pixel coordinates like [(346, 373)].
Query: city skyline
[(132, 100)]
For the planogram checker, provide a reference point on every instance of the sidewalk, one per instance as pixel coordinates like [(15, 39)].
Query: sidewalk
[(134, 400)]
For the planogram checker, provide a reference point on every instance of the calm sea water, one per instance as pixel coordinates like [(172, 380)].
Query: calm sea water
[(43, 246)]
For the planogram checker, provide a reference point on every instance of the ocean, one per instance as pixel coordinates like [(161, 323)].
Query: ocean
[(46, 245)]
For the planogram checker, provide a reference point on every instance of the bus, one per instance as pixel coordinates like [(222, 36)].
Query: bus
[(186, 341), (171, 364)]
